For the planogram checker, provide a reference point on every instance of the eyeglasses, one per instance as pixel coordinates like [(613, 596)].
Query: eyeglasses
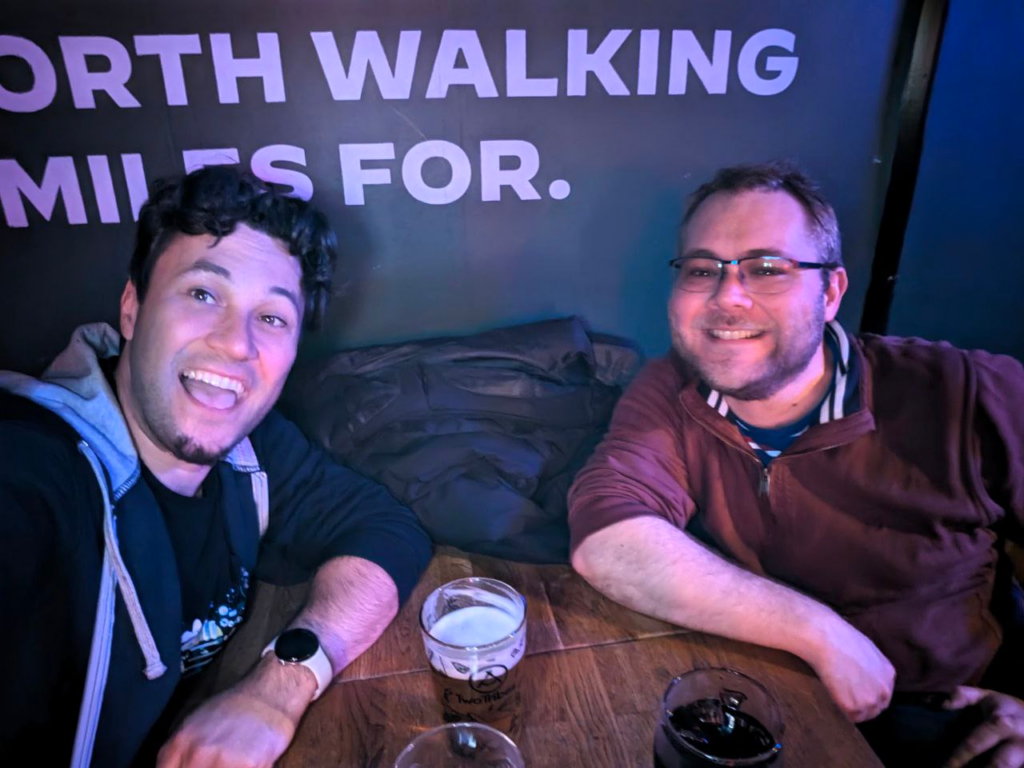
[(758, 274)]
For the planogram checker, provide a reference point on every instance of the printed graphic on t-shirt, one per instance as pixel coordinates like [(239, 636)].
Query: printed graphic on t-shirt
[(200, 643)]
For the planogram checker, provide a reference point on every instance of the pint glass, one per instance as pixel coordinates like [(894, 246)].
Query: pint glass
[(474, 631)]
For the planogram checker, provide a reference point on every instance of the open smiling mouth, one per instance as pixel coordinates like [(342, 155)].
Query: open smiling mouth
[(734, 335), (220, 393)]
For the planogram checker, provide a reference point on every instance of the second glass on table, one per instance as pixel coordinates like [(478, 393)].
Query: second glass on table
[(474, 631), (717, 717), (461, 745)]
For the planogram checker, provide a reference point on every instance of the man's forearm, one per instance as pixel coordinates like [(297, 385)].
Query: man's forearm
[(653, 567), (351, 604)]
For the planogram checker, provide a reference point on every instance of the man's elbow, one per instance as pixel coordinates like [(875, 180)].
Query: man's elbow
[(599, 561), (391, 603), (610, 558), (582, 554), (584, 562)]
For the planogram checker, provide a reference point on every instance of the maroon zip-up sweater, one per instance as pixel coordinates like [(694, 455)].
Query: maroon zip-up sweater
[(891, 515)]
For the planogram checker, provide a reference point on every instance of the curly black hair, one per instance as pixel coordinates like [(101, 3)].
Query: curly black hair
[(216, 199)]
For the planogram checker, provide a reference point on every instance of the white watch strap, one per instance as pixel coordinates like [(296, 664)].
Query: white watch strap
[(318, 664)]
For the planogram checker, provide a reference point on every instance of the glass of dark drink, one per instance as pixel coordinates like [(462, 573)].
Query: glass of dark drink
[(717, 717)]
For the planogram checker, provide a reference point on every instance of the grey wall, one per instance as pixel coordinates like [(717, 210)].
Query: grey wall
[(419, 269), (962, 271)]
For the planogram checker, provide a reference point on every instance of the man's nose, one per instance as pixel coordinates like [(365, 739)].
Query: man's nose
[(731, 291), (234, 336)]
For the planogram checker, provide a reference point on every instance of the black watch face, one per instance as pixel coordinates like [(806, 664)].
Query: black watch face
[(296, 645)]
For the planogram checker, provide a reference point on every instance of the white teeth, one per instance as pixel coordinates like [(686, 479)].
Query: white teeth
[(222, 382), (732, 335)]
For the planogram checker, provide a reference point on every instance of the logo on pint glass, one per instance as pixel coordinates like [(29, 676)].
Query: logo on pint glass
[(488, 679)]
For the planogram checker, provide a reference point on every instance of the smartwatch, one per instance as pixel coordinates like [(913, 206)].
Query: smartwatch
[(302, 647)]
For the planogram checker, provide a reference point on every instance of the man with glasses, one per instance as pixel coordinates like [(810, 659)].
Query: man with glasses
[(780, 482)]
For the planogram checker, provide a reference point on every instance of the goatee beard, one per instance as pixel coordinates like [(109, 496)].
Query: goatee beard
[(186, 449)]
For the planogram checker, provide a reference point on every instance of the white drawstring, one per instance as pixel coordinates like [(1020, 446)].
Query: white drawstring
[(154, 666)]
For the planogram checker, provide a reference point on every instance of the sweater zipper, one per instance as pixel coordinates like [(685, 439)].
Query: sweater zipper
[(765, 486)]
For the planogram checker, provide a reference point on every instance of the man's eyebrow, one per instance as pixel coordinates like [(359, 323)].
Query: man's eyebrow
[(204, 265), (290, 295), (767, 252), (700, 253), (704, 253)]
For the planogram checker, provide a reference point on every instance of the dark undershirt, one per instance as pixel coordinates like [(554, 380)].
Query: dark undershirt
[(213, 584)]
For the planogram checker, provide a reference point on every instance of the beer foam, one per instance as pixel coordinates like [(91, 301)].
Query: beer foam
[(482, 635), (474, 625)]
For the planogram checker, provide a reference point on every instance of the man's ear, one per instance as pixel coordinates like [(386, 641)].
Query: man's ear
[(129, 310), (838, 282)]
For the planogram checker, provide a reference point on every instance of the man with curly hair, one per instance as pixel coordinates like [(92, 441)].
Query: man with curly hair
[(146, 479)]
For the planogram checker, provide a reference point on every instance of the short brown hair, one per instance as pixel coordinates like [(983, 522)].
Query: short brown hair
[(777, 176)]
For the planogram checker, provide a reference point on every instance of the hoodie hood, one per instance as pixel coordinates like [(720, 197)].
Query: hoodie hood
[(75, 388)]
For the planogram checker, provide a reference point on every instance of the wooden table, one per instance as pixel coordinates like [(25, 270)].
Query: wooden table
[(592, 679)]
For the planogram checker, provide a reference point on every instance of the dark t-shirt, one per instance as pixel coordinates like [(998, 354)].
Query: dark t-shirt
[(213, 582)]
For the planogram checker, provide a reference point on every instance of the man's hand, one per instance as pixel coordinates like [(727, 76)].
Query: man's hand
[(247, 726), (857, 674), (1000, 736), (252, 723)]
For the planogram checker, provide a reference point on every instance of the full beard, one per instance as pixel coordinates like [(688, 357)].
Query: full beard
[(788, 360)]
